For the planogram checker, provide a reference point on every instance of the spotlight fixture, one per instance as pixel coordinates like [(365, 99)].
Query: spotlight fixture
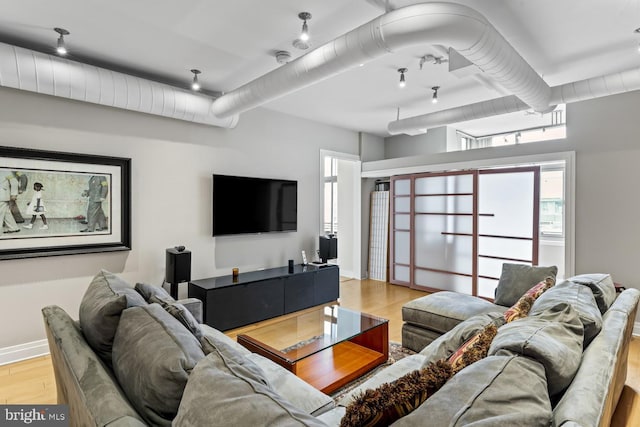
[(195, 84), (62, 48), (304, 35), (434, 98), (402, 83)]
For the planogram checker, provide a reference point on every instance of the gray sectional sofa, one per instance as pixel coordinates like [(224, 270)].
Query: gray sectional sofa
[(136, 357)]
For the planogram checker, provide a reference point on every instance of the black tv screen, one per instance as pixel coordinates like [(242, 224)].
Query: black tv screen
[(243, 205)]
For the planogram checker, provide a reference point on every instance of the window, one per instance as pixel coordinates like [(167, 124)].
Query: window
[(553, 126), (330, 215), (552, 202)]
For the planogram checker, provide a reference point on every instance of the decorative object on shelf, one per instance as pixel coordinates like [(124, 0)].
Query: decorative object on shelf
[(74, 186), (290, 266), (235, 272)]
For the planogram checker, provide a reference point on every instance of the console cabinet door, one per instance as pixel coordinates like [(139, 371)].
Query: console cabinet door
[(327, 285), (298, 292), (242, 304)]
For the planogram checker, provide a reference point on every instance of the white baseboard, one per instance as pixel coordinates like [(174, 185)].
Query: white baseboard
[(24, 351), (636, 329)]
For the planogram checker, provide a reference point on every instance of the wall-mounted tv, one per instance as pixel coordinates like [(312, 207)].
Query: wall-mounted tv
[(245, 205)]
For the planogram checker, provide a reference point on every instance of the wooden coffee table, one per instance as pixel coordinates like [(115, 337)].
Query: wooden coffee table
[(327, 347)]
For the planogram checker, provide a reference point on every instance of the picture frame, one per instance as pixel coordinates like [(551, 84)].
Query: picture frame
[(69, 203)]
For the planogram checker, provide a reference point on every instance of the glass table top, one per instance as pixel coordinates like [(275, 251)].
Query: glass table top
[(312, 331)]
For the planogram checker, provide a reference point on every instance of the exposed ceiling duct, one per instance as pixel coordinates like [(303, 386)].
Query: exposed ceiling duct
[(595, 87), (457, 26), (33, 71)]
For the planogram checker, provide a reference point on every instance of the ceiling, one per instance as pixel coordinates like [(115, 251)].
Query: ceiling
[(233, 42)]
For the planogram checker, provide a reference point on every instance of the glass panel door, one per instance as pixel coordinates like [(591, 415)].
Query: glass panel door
[(444, 227), (507, 222), (401, 201)]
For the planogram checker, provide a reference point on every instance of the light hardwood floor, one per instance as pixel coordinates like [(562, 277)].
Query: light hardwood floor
[(32, 381)]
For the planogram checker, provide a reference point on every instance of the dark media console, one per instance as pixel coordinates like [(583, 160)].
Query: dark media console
[(229, 303)]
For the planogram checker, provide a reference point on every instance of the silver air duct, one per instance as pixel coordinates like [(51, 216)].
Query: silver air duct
[(595, 87), (457, 26), (25, 69)]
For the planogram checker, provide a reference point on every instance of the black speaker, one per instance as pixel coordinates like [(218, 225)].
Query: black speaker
[(178, 265), (328, 247)]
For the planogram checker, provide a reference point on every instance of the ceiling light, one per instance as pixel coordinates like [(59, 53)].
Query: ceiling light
[(434, 98), (402, 82), (195, 84), (62, 48), (304, 35)]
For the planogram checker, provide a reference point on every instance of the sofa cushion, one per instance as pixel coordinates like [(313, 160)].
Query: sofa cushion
[(522, 307), (100, 309), (552, 337), (580, 298), (602, 287), (223, 389), (495, 391), (444, 346), (153, 355), (442, 311), (391, 401), (297, 392), (516, 279)]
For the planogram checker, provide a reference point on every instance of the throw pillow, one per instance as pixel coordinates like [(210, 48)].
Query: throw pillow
[(552, 337), (391, 401), (522, 307), (181, 313), (516, 279), (604, 291), (100, 309), (153, 355), (445, 345), (148, 291), (495, 391), (474, 349)]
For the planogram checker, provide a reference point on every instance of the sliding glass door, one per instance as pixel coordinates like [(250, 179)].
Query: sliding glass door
[(452, 231), (508, 222)]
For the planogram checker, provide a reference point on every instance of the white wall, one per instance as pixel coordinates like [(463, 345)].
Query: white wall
[(604, 133), (436, 140), (172, 164)]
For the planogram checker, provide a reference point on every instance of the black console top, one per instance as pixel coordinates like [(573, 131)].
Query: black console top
[(256, 276)]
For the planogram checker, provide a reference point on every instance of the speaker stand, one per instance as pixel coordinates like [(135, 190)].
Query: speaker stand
[(173, 289)]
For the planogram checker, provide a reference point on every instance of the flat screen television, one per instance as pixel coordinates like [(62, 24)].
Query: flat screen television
[(245, 205)]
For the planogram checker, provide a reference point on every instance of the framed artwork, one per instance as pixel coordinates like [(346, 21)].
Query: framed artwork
[(54, 203)]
